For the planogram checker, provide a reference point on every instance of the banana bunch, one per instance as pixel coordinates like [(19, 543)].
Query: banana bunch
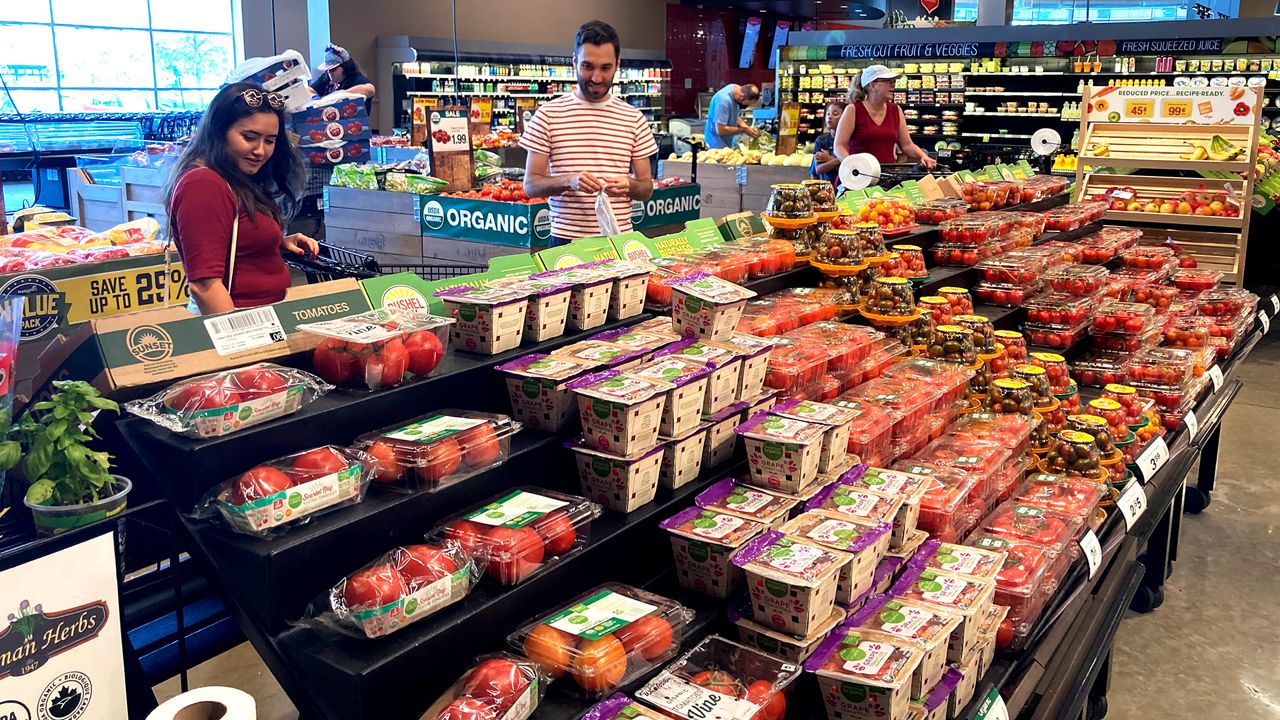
[(1198, 152), (1100, 150), (1222, 149)]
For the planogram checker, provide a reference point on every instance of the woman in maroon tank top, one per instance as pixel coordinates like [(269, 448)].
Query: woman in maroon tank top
[(876, 125)]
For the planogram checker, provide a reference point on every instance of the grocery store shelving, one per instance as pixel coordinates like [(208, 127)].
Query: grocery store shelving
[(1174, 219), (1018, 94)]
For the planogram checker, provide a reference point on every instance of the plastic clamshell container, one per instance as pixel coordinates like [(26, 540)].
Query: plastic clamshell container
[(796, 367), (1031, 523), (438, 449), (674, 692), (706, 307), (865, 674), (523, 531), (865, 543), (792, 583), (589, 298), (1191, 333), (783, 646), (1004, 294), (590, 627), (730, 496), (725, 362), (1078, 280), (703, 542), (849, 501), (1225, 302), (621, 484), (1196, 279), (488, 320), (927, 625), (870, 431), (1070, 496), (606, 354), (620, 413), (1161, 368), (537, 386), (936, 212), (1124, 318), (1147, 257), (968, 597), (783, 453), (988, 461), (365, 335), (837, 421), (950, 506), (967, 560), (958, 255), (548, 312), (1073, 216), (985, 196), (687, 396), (1027, 580), (975, 229), (1060, 310), (1099, 369), (1010, 431)]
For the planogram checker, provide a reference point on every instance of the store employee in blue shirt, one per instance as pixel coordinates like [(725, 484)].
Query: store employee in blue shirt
[(724, 117)]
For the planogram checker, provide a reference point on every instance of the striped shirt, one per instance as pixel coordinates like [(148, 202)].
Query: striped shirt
[(579, 136)]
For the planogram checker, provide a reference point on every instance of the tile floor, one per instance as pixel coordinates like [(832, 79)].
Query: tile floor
[(1208, 652)]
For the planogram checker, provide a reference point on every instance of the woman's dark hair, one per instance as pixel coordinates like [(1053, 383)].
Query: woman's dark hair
[(597, 32), (273, 189), (349, 71)]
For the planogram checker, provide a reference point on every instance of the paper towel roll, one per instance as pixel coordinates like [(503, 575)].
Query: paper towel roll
[(208, 703)]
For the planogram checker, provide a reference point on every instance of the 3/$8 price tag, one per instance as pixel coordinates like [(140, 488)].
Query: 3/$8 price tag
[(1215, 374), (1092, 552), (1192, 423), (1132, 503), (1152, 459)]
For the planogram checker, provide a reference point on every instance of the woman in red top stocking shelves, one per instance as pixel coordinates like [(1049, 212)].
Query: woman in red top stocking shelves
[(231, 191), (872, 124)]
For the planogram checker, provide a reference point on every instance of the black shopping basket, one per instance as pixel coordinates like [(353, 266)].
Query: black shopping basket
[(334, 262)]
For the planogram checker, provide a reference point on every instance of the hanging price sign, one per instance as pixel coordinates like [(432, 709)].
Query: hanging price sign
[(1192, 423), (1092, 552), (1152, 459), (1215, 374), (1264, 321), (1132, 503)]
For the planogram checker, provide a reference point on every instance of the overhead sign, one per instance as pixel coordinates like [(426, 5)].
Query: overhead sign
[(1175, 105)]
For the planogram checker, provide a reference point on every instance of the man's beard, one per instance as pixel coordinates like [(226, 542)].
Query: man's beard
[(584, 86)]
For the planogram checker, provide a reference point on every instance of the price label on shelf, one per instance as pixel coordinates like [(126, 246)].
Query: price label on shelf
[(1215, 374), (1275, 304), (1132, 503), (1178, 109), (1139, 108), (1092, 552), (1192, 423), (448, 130), (1264, 321), (1152, 459)]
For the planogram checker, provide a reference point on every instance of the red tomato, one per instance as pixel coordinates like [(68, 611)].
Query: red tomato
[(498, 679), (480, 445), (718, 681), (386, 462), (514, 553), (600, 664), (466, 533), (421, 565), (468, 708), (441, 459), (1004, 634), (550, 648), (650, 636), (384, 365), (333, 361), (775, 708), (425, 351), (258, 382), (202, 395), (556, 530), (374, 587), (259, 482), (318, 463)]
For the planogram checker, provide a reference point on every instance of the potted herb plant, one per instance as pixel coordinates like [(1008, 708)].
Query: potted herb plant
[(71, 485)]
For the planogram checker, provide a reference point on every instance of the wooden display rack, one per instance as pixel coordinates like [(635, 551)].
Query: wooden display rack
[(1149, 129)]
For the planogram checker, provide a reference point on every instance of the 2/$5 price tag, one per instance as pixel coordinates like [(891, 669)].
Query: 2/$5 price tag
[(1192, 423), (1132, 503), (1264, 321), (1150, 461)]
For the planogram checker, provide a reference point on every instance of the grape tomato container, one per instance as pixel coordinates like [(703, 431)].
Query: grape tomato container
[(1028, 579), (957, 255), (487, 320), (1075, 454), (954, 344), (864, 543), (1161, 368), (721, 680), (591, 294), (274, 496), (1123, 342), (1099, 369), (909, 487), (611, 635), (635, 339), (630, 282), (939, 307), (1071, 497), (522, 531), (706, 307), (703, 542), (755, 363), (1055, 338), (929, 626), (822, 195), (1008, 395), (747, 501), (1012, 432), (548, 312), (950, 505), (796, 367), (1226, 302), (400, 587), (617, 483), (1100, 248), (537, 386), (1074, 216), (984, 333), (1060, 310), (1124, 317), (846, 345), (1062, 252), (975, 229), (936, 212), (911, 261), (801, 581), (843, 247), (1019, 269), (1031, 221), (783, 646), (220, 403), (990, 462), (967, 560), (1111, 411), (783, 453), (1015, 345), (1191, 333), (619, 413), (725, 362), (790, 200), (682, 411), (603, 353), (682, 458), (962, 595), (865, 674), (985, 196), (1196, 279), (948, 378), (848, 501), (438, 449), (1078, 280), (721, 438), (890, 297), (506, 685), (1038, 187), (1055, 369), (1146, 257), (835, 419), (370, 338), (870, 431)]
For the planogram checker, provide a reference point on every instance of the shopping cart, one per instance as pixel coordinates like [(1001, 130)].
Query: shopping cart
[(434, 272), (334, 262)]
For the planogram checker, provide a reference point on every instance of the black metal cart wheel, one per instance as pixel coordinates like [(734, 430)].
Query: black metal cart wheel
[(1147, 599), (1097, 708), (1196, 500)]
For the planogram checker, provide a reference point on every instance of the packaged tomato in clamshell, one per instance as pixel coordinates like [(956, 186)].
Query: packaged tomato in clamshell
[(620, 707), (929, 626), (497, 686), (379, 349), (398, 588), (438, 449), (722, 680), (220, 403), (605, 637), (271, 498)]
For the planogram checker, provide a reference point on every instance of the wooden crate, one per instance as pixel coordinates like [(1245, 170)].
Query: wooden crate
[(447, 251), (144, 194), (97, 207), (721, 184), (383, 224)]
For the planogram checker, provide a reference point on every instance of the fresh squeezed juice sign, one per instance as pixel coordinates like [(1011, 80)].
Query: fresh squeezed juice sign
[(1175, 105)]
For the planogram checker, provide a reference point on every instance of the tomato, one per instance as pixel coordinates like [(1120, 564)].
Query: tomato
[(466, 533), (1004, 634), (551, 648), (514, 553), (425, 351), (557, 531), (258, 382), (383, 365), (775, 708), (386, 462), (201, 395), (658, 293), (599, 664), (468, 708), (440, 460), (318, 463), (374, 587), (650, 636), (718, 681), (498, 679), (480, 445), (333, 361), (262, 481), (421, 565)]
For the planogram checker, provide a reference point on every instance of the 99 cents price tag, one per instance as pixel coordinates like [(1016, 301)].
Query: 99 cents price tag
[(1215, 374), (1092, 552), (1192, 423), (1264, 321), (1152, 459), (1132, 503)]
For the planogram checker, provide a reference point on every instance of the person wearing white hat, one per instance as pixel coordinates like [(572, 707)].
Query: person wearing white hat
[(872, 124), (340, 72)]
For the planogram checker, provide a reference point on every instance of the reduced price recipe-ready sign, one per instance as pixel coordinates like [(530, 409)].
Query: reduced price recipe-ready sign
[(61, 652), (1175, 105)]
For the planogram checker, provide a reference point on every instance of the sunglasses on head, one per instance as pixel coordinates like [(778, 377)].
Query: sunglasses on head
[(254, 98)]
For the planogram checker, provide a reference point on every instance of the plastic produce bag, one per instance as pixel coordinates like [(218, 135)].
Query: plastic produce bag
[(485, 173), (398, 588), (604, 214), (484, 157), (380, 348), (439, 449), (223, 402), (424, 184), (498, 686)]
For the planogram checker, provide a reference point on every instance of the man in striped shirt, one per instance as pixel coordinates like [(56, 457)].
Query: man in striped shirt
[(587, 143)]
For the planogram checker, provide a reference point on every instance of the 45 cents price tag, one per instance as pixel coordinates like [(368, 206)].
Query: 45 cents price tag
[(1132, 503), (1152, 459), (1192, 423), (1215, 374), (1264, 321), (1092, 552)]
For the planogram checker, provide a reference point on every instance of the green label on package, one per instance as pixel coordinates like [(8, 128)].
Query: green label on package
[(516, 510), (703, 233), (434, 428), (599, 615)]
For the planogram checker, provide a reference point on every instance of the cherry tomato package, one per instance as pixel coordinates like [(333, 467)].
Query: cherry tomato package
[(929, 626), (865, 674), (497, 686), (722, 680), (223, 402), (522, 531), (400, 587), (1074, 215), (866, 543), (605, 637), (438, 449), (270, 498), (950, 506), (1027, 579), (703, 541), (706, 307), (380, 348), (620, 707), (487, 320), (538, 386), (783, 646)]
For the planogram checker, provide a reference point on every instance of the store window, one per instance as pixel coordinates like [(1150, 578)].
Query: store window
[(1057, 12), (115, 55)]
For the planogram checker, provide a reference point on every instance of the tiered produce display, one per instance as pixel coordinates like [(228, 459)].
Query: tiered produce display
[(874, 479)]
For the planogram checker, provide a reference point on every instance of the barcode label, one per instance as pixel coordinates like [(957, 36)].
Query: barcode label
[(244, 330)]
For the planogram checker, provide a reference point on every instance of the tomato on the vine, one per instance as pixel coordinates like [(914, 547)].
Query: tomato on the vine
[(774, 708), (718, 681), (425, 351), (384, 365), (333, 361)]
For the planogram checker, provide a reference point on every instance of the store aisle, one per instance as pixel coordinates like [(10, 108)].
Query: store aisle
[(1210, 650)]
